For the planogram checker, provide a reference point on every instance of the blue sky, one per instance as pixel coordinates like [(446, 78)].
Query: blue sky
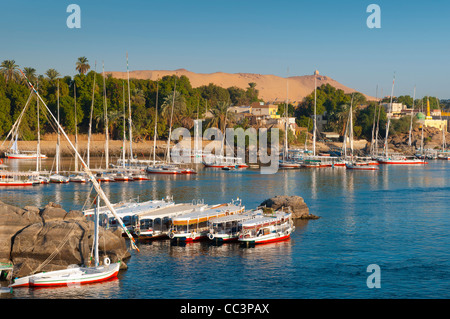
[(265, 37)]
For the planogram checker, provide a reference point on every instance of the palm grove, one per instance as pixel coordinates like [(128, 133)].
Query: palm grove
[(188, 103)]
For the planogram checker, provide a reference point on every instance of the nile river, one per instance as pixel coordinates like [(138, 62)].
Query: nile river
[(397, 218)]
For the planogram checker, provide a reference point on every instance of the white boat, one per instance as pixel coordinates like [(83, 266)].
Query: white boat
[(123, 177), (10, 181), (267, 228), (42, 180), (140, 177), (156, 224), (126, 210), (194, 226), (400, 160), (226, 229), (24, 155), (78, 179), (8, 178), (220, 161), (289, 164), (73, 275), (168, 169), (361, 167), (58, 179), (104, 178)]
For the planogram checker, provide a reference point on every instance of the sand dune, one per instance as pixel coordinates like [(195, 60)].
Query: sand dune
[(271, 88)]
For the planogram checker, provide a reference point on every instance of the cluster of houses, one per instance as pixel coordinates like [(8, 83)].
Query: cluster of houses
[(433, 118), (266, 115)]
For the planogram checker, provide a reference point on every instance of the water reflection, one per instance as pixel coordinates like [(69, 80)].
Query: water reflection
[(104, 290)]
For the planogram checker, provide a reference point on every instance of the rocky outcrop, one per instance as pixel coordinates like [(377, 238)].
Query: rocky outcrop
[(48, 239), (296, 203)]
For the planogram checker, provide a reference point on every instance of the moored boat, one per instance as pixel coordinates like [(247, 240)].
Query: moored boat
[(266, 228), (361, 167), (58, 179), (400, 160), (122, 177), (194, 226), (288, 164), (78, 179), (226, 229), (157, 223)]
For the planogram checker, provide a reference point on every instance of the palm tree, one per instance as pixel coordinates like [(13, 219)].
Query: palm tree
[(179, 107), (30, 73), (52, 74), (82, 65), (220, 116), (9, 69)]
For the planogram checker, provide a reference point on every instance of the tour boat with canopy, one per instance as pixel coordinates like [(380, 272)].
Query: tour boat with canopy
[(194, 226), (226, 228), (266, 228), (157, 223)]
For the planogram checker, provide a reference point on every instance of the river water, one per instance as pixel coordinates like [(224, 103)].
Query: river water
[(397, 218)]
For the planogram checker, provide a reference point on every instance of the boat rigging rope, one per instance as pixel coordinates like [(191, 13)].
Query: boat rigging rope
[(53, 255)]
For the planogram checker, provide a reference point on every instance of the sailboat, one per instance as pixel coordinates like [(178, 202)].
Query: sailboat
[(353, 164), (315, 161), (285, 162), (123, 176), (81, 274), (14, 152), (167, 168), (57, 177), (395, 159), (74, 275), (76, 178)]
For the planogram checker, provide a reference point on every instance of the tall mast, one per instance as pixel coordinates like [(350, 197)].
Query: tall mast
[(105, 108), (96, 229), (351, 127), (38, 150), (129, 113), (378, 123), (285, 153), (315, 117), (443, 127), (76, 126), (156, 123), (58, 141), (373, 126), (170, 128), (389, 120), (91, 176), (90, 118), (124, 126), (412, 115)]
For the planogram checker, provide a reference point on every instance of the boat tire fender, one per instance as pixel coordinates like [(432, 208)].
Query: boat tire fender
[(106, 261)]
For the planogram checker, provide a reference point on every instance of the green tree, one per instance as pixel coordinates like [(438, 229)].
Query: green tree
[(9, 69), (82, 65), (52, 74), (30, 73)]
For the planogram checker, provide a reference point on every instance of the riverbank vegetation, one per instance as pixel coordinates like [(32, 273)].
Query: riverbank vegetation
[(189, 104)]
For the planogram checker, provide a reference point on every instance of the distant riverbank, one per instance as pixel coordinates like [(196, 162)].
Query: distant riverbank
[(141, 149)]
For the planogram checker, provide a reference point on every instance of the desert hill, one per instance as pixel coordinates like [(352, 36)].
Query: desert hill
[(271, 88)]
